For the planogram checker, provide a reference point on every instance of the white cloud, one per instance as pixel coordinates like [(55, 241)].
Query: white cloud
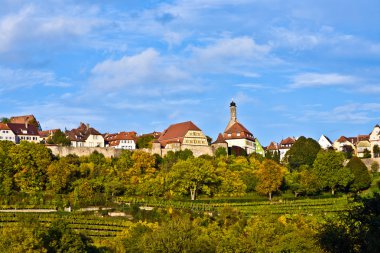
[(353, 113), (12, 79), (142, 70), (240, 48), (306, 80)]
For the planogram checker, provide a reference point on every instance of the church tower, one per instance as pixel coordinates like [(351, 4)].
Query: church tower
[(233, 117)]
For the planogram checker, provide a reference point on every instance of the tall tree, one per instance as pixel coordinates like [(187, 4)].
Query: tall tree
[(329, 169), (30, 163), (270, 176), (303, 152), (362, 178), (193, 176), (376, 151), (59, 138)]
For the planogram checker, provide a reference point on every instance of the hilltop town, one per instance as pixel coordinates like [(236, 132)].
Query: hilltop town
[(236, 139)]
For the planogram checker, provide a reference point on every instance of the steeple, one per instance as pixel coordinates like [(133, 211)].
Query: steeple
[(233, 117), (233, 111)]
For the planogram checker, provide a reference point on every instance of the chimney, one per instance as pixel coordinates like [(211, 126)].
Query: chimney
[(26, 124), (88, 126)]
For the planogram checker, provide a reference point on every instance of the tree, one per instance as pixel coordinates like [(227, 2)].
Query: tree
[(376, 151), (59, 138), (270, 176), (366, 153), (348, 151), (30, 163), (220, 152), (192, 176), (303, 152), (145, 141), (6, 168), (5, 120), (328, 167), (375, 167), (355, 231), (362, 178)]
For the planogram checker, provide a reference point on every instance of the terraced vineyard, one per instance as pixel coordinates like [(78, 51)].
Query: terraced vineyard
[(90, 225), (302, 206)]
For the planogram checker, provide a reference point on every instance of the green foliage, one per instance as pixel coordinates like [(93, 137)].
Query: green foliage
[(303, 152), (375, 167), (355, 231), (145, 141), (59, 138), (30, 163), (362, 178), (328, 168), (220, 152), (366, 153), (5, 120), (376, 151)]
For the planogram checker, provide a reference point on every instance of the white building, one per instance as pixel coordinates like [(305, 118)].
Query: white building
[(325, 142), (25, 132), (374, 138), (236, 135), (285, 145), (122, 140), (85, 136), (6, 133)]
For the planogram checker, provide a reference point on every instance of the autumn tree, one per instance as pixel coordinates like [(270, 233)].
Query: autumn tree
[(329, 169), (362, 178), (270, 176)]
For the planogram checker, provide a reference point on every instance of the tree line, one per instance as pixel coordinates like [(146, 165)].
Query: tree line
[(30, 169)]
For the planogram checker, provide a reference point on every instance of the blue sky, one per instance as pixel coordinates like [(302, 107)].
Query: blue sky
[(293, 67)]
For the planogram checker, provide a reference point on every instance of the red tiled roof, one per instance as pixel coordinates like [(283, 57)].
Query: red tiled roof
[(177, 132), (342, 139), (4, 126), (237, 128), (114, 139), (220, 139), (23, 129), (272, 146), (47, 133), (287, 141)]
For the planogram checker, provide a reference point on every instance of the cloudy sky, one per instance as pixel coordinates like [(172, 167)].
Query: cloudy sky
[(293, 67)]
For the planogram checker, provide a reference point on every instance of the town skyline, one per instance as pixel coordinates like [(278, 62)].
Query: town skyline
[(293, 69)]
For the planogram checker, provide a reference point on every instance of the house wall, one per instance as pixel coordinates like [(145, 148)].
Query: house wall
[(195, 138), (126, 144), (94, 141), (247, 145), (29, 138), (8, 135)]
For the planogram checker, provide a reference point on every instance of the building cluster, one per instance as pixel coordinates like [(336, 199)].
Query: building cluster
[(236, 138)]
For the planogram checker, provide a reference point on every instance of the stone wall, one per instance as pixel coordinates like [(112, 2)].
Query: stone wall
[(83, 151), (369, 161)]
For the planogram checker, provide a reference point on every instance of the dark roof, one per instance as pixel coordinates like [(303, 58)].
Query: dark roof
[(232, 103), (23, 129), (81, 133)]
